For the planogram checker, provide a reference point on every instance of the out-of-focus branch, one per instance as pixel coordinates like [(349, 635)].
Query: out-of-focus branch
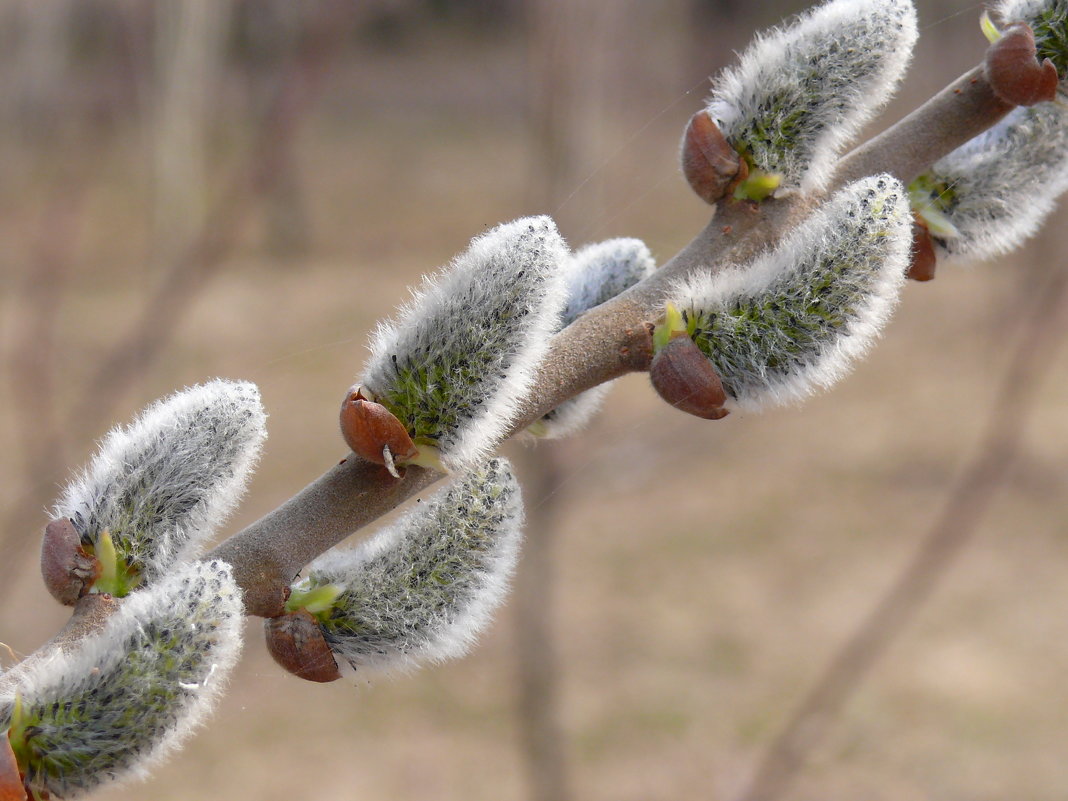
[(184, 277), (33, 361), (189, 52), (955, 527)]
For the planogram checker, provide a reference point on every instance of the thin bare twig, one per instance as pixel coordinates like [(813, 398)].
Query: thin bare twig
[(964, 509)]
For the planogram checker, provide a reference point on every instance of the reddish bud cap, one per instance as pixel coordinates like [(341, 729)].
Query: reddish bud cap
[(67, 569), (11, 786), (296, 642), (924, 261), (368, 427), (687, 380), (711, 166), (1014, 71)]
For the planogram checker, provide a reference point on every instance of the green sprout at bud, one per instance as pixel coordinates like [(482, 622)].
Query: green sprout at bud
[(116, 576), (758, 186), (313, 599)]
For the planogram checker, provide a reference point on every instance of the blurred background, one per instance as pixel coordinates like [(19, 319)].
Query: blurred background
[(241, 189)]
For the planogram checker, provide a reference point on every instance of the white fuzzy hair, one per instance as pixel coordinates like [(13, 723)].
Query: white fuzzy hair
[(596, 274), (1026, 10), (492, 310), (423, 589), (828, 73), (1003, 183), (164, 483), (127, 696), (848, 258)]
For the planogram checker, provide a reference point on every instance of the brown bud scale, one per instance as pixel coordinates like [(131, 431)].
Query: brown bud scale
[(711, 166), (368, 427), (1014, 71), (68, 571), (924, 261), (296, 642), (683, 377), (11, 786)]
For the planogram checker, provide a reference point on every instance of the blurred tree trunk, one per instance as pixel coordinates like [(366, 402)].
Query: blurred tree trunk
[(189, 56), (273, 30), (570, 52), (42, 55)]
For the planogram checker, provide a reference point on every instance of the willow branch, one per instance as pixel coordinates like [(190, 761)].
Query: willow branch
[(603, 344), (960, 112)]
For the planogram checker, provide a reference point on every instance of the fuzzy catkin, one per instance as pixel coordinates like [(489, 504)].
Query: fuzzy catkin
[(422, 589), (794, 319), (131, 693), (596, 274), (801, 93), (461, 355), (162, 485), (996, 190)]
